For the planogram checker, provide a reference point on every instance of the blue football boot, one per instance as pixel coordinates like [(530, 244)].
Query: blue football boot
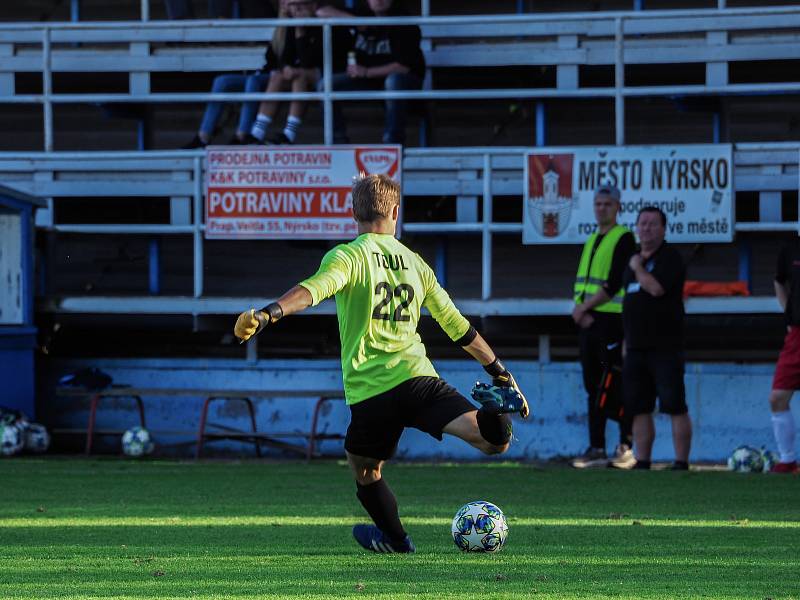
[(503, 399), (372, 538)]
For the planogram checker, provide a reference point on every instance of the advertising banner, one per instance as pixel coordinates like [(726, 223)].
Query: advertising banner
[(692, 184), (288, 192)]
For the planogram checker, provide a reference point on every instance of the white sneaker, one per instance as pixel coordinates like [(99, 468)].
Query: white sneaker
[(623, 457), (593, 458)]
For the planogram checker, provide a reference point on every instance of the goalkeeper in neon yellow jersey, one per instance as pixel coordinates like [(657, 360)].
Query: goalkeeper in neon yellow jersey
[(380, 287)]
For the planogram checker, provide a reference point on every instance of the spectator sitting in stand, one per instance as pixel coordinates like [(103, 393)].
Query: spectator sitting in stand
[(299, 55), (238, 82), (386, 57)]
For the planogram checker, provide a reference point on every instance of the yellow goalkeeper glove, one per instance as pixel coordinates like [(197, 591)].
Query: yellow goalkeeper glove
[(248, 323)]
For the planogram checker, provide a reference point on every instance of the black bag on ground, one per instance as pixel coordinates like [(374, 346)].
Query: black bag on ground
[(609, 393), (90, 378)]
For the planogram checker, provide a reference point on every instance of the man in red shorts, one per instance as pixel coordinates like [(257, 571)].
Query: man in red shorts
[(787, 371)]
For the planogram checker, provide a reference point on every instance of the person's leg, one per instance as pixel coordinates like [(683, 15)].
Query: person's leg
[(668, 371), (268, 108), (785, 381), (395, 128), (375, 496), (302, 83), (638, 390), (372, 435), (644, 433), (613, 338), (589, 345), (783, 425), (682, 437), (254, 83), (229, 82), (432, 405), (489, 433)]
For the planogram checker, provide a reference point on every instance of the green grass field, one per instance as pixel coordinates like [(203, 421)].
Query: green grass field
[(74, 528)]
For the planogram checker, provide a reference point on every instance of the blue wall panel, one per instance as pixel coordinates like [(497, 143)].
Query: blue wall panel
[(727, 402)]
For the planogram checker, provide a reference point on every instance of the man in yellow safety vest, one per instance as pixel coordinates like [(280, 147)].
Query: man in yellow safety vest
[(598, 297)]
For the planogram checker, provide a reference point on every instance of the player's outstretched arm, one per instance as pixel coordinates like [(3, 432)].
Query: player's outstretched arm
[(252, 321), (501, 377)]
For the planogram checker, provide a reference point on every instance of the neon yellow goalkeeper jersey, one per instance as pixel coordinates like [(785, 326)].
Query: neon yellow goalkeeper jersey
[(380, 287)]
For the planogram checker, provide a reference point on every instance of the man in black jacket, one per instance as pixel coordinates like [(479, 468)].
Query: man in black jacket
[(386, 58), (652, 316)]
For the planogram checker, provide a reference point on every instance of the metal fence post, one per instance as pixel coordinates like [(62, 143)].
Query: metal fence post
[(47, 90), (486, 262), (198, 227), (145, 10), (541, 124), (327, 74), (619, 82)]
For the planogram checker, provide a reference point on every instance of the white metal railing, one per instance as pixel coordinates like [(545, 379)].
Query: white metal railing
[(481, 173), (677, 35)]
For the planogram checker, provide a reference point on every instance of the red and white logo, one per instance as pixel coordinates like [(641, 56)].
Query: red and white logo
[(550, 198), (375, 161)]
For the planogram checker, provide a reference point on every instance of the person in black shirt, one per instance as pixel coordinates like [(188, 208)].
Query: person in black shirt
[(787, 371), (597, 313), (299, 60), (386, 57), (653, 316)]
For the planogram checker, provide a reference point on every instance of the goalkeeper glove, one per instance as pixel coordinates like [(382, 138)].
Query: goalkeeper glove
[(251, 322), (501, 377)]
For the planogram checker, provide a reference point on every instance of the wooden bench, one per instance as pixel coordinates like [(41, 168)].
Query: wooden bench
[(223, 432)]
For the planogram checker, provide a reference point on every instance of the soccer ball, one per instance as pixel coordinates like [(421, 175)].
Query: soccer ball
[(10, 440), (745, 459), (768, 460), (36, 438), (136, 441), (479, 526)]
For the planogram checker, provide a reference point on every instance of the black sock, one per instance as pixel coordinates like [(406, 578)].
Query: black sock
[(494, 427), (642, 464), (379, 501), (680, 465)]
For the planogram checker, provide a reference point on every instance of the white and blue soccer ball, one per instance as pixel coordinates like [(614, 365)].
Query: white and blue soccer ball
[(768, 460), (745, 459), (11, 440), (36, 438), (136, 441), (479, 526)]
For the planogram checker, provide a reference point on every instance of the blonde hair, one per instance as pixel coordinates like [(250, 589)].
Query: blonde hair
[(279, 35), (374, 197)]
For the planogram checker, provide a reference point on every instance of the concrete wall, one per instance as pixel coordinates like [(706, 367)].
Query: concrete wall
[(727, 402)]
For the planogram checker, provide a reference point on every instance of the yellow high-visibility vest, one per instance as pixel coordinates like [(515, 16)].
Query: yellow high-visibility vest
[(591, 277)]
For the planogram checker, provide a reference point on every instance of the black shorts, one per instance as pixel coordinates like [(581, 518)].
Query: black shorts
[(647, 374), (425, 403)]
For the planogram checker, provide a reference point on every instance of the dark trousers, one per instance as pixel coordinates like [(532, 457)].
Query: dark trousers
[(600, 345)]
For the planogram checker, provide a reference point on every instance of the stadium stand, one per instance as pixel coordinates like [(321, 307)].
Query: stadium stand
[(123, 233)]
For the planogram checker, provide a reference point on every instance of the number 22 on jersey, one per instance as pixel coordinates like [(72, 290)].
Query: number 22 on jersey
[(403, 292)]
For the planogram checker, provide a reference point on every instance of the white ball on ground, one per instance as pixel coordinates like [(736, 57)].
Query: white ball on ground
[(745, 459), (479, 526), (37, 439), (11, 441), (137, 441)]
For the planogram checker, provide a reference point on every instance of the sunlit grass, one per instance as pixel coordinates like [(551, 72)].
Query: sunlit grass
[(115, 529)]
